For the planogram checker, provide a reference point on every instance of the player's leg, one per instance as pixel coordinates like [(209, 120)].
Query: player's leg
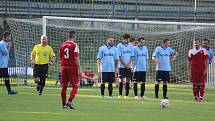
[(111, 78), (194, 80), (122, 79), (157, 81), (202, 91), (128, 79), (36, 76), (202, 86), (143, 80), (64, 87), (135, 84), (104, 79), (74, 81), (165, 82), (4, 74), (43, 75)]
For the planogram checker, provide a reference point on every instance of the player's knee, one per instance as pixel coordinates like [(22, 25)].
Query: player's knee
[(64, 85)]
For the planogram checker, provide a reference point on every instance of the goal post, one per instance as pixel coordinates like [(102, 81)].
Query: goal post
[(93, 32)]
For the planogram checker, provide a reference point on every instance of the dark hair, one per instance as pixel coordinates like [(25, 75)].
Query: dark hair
[(206, 40), (6, 34), (126, 36), (141, 38), (165, 40), (71, 34), (132, 39)]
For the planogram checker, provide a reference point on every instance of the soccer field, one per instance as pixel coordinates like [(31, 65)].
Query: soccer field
[(28, 106)]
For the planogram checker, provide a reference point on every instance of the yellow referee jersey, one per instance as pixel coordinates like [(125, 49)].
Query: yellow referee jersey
[(42, 54)]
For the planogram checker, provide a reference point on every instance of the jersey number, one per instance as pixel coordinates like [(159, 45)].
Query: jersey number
[(66, 53)]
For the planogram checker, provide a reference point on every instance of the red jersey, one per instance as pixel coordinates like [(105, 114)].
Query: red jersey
[(68, 51), (198, 59)]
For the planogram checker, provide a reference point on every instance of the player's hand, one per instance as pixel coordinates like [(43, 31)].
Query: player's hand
[(10, 45), (99, 72), (32, 61), (158, 62), (127, 66), (117, 71)]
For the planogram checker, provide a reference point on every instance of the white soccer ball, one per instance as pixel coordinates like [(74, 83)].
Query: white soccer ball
[(164, 103)]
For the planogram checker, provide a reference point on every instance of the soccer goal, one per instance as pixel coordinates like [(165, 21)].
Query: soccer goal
[(92, 33)]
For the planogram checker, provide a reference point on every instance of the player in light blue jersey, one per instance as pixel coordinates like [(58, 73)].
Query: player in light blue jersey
[(126, 54), (5, 45), (163, 55), (141, 58), (107, 62), (205, 44)]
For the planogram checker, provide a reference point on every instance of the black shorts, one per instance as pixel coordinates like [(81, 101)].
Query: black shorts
[(4, 73), (108, 77), (140, 76), (40, 71), (125, 73), (162, 76)]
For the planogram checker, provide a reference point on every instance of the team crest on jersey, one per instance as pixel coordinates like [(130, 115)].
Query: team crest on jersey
[(46, 53)]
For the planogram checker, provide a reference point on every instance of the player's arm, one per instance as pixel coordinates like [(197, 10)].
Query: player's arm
[(131, 61), (117, 63), (4, 50), (33, 55), (189, 63), (155, 55), (174, 54), (77, 60), (99, 57), (206, 62), (52, 55)]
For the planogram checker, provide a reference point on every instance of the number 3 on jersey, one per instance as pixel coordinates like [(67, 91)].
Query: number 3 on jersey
[(66, 53)]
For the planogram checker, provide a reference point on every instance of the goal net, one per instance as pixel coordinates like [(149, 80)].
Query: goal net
[(93, 32)]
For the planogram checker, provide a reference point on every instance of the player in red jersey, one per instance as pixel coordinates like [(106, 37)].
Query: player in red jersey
[(198, 63), (70, 69)]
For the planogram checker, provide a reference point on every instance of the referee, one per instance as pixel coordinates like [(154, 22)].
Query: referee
[(5, 46), (41, 55), (162, 56)]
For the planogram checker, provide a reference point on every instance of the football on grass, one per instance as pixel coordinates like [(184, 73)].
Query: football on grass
[(164, 103)]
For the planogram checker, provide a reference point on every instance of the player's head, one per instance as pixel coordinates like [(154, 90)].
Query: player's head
[(44, 39), (72, 35), (110, 41), (196, 44), (205, 43), (132, 41), (7, 36), (141, 41), (126, 38), (165, 42)]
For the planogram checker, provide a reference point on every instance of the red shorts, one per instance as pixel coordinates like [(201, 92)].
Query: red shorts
[(69, 75), (198, 77)]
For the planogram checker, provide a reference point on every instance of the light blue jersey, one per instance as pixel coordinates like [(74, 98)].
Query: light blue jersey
[(141, 58), (163, 55), (210, 55), (4, 54), (126, 52), (108, 56)]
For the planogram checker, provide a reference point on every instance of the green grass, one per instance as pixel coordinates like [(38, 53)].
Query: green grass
[(28, 106)]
